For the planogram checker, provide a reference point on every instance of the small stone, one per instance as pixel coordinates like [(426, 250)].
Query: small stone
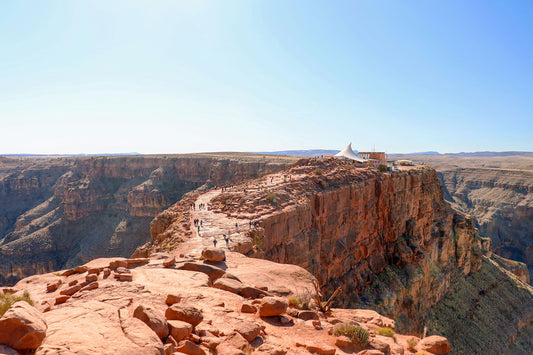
[(252, 292), (94, 270), (169, 262), (123, 270), (307, 315), (73, 282), (81, 269), (68, 272), (249, 330), (171, 299), (71, 290), (107, 272), (90, 286), (124, 277), (247, 307), (118, 263), (434, 344), (91, 277), (188, 347), (61, 299), (343, 342), (52, 286), (137, 261), (317, 324)]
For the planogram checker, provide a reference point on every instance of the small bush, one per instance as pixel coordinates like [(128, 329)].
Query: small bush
[(318, 171), (300, 300), (422, 352), (382, 167), (272, 198), (258, 242), (358, 335), (412, 342), (8, 299)]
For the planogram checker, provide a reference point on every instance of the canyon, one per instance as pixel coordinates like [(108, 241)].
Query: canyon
[(428, 248), (59, 212)]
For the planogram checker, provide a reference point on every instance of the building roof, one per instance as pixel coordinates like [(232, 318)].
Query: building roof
[(349, 154)]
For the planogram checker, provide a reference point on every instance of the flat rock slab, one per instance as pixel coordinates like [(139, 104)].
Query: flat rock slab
[(212, 272)]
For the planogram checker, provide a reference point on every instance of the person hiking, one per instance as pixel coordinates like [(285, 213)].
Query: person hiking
[(214, 242)]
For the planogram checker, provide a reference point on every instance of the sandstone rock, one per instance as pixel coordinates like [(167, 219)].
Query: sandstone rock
[(229, 285), (52, 286), (379, 344), (179, 330), (61, 299), (187, 314), (124, 277), (247, 307), (154, 319), (211, 342), (73, 282), (81, 269), (232, 345), (272, 306), (171, 261), (71, 290), (107, 272), (370, 352), (137, 261), (343, 342), (171, 299), (249, 330), (307, 315), (212, 271), (169, 349), (434, 344), (22, 327), (68, 272), (6, 350), (118, 263), (91, 277), (188, 347), (142, 336), (90, 286), (252, 292), (94, 270), (123, 270), (321, 349), (214, 254)]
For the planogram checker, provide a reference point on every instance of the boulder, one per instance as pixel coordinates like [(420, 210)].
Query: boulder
[(124, 277), (272, 306), (137, 261), (68, 272), (179, 330), (89, 286), (307, 315), (152, 318), (73, 282), (22, 327), (118, 263), (322, 349), (141, 335), (249, 330), (379, 344), (214, 254), (434, 344), (229, 285), (232, 345), (81, 269), (94, 270), (187, 314)]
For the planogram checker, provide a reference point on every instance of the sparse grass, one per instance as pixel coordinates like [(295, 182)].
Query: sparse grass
[(422, 352), (318, 171), (8, 299), (300, 300), (358, 335), (411, 343), (258, 242)]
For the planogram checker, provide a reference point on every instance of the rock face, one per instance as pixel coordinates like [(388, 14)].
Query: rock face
[(58, 213)]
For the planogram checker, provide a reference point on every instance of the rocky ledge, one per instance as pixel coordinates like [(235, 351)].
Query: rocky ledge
[(215, 302)]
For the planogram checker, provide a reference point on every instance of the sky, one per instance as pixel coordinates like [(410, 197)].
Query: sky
[(201, 76)]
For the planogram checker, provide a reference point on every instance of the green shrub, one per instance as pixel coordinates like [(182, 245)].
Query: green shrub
[(8, 299), (258, 242), (382, 167), (318, 171), (358, 335)]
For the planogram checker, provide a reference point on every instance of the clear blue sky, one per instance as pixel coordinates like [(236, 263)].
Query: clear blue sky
[(187, 76)]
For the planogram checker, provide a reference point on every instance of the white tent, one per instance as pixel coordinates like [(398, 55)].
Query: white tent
[(349, 154)]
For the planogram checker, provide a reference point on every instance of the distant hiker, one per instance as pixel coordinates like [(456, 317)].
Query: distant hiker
[(214, 242), (201, 223), (236, 226)]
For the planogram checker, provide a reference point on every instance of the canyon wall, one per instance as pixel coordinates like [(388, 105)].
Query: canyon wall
[(62, 212)]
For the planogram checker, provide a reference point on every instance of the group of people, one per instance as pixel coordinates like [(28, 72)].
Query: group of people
[(226, 239), (198, 222), (201, 206)]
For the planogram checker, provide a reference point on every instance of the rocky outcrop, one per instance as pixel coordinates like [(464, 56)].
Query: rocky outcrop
[(57, 213)]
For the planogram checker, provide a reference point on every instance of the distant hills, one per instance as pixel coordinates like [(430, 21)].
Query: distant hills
[(303, 153)]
